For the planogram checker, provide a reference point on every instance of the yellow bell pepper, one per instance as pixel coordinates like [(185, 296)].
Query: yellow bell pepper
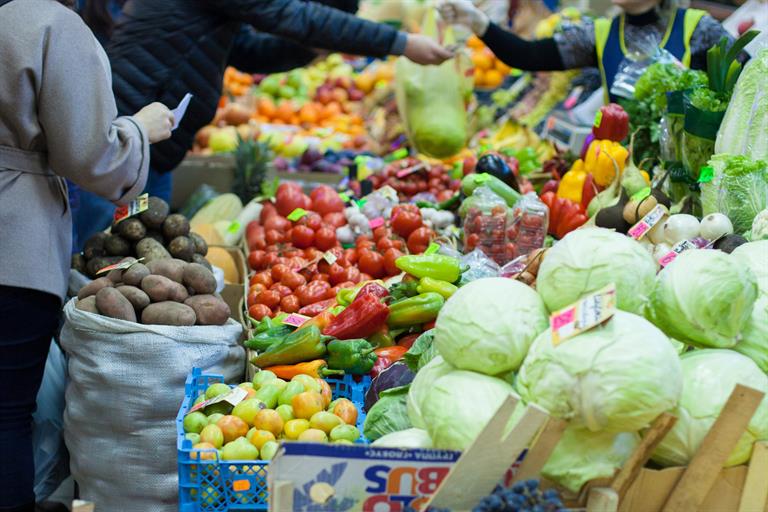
[(572, 183), (598, 161)]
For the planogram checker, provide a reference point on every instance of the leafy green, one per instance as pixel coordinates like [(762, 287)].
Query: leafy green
[(659, 79), (421, 352), (707, 99), (739, 189), (389, 414)]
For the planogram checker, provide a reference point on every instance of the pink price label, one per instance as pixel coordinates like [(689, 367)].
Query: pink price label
[(679, 248), (639, 230), (376, 223), (646, 223), (562, 318), (135, 207), (295, 320)]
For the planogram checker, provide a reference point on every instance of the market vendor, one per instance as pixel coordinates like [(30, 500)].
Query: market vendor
[(685, 33), (189, 49)]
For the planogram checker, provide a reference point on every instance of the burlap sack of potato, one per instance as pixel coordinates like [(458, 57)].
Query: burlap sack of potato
[(126, 384)]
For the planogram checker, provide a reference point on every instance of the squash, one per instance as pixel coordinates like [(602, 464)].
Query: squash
[(224, 207), (232, 231), (209, 234), (220, 257)]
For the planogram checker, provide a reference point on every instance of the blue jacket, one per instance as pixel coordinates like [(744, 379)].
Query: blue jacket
[(162, 49)]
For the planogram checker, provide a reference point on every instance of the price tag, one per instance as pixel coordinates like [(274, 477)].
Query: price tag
[(122, 265), (583, 315), (296, 214), (234, 397), (376, 223), (344, 197), (675, 252), (652, 218), (598, 119), (295, 319), (329, 257), (234, 227), (388, 192), (135, 207), (361, 202), (432, 249), (706, 174), (410, 170)]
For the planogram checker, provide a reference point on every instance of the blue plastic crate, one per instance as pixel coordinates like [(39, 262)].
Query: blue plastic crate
[(207, 484)]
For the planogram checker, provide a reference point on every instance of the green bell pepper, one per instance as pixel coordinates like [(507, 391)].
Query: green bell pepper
[(444, 288), (355, 357), (420, 309), (301, 345), (436, 266), (265, 339)]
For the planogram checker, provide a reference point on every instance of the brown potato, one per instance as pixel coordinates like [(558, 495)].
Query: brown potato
[(113, 304), (201, 246), (151, 250), (199, 258), (135, 296), (116, 275), (94, 286), (168, 313), (94, 246), (160, 289), (78, 263), (182, 248), (209, 309), (116, 245), (132, 229), (172, 269), (99, 263), (88, 305), (199, 278), (154, 216), (135, 274), (175, 225)]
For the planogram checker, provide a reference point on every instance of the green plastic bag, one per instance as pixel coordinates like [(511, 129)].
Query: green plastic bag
[(699, 133), (430, 99)]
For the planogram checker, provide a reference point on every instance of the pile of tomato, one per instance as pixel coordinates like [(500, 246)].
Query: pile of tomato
[(299, 266), (411, 176)]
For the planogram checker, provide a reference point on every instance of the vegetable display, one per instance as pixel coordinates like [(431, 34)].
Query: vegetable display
[(738, 188)]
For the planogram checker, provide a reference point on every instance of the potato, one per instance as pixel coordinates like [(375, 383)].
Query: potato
[(154, 216), (116, 245), (151, 250), (135, 274), (78, 262), (200, 259), (99, 263), (199, 278), (201, 246), (88, 305), (157, 236), (116, 275), (132, 229), (175, 225), (160, 289), (113, 304), (168, 313), (135, 296), (172, 269), (182, 248), (94, 286), (94, 247), (209, 309)]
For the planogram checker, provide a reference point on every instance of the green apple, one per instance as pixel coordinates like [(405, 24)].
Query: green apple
[(195, 438), (194, 422), (214, 418)]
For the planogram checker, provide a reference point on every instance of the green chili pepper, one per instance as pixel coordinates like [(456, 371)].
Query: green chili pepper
[(266, 339), (301, 345), (436, 266), (355, 357), (444, 288), (420, 309), (345, 296), (382, 338)]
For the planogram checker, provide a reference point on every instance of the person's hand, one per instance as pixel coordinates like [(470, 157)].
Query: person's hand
[(425, 50), (464, 12), (157, 120)]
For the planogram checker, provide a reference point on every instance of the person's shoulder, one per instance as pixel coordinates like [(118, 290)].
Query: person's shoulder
[(39, 14)]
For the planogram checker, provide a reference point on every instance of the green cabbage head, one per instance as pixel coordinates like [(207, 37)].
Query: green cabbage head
[(754, 340), (488, 325), (586, 260), (755, 256), (709, 377), (582, 455), (616, 377), (408, 438), (704, 299), (432, 371)]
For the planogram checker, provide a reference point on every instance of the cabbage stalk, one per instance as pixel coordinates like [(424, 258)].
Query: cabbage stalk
[(488, 325), (702, 298), (616, 377), (588, 259), (709, 377)]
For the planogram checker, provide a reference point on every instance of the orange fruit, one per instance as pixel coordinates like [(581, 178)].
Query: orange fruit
[(266, 107), (478, 77), (285, 111), (308, 114), (492, 78), (331, 110), (475, 42), (482, 60), (501, 67)]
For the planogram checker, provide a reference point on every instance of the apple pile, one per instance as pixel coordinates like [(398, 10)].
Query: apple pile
[(273, 409), (411, 176), (340, 90)]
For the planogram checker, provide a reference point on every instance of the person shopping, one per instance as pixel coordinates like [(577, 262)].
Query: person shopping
[(685, 33), (58, 120), (188, 51)]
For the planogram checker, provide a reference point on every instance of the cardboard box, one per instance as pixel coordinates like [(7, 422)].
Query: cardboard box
[(359, 477)]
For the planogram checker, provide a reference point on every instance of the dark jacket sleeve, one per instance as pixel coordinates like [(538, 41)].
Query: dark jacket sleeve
[(254, 52), (311, 24), (537, 55)]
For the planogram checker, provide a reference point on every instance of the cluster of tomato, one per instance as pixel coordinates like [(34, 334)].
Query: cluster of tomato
[(300, 266), (411, 176)]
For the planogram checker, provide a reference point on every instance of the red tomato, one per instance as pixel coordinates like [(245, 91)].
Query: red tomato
[(325, 238), (289, 185), (293, 253), (381, 232), (350, 255), (312, 253), (326, 200), (277, 222), (362, 239), (259, 311), (311, 220), (269, 298), (290, 304), (384, 243), (293, 280), (346, 284), (256, 288), (444, 195), (389, 261), (365, 277), (290, 199), (267, 211), (313, 292), (262, 278), (406, 218), (270, 259), (254, 228), (256, 259), (320, 276), (335, 219), (254, 292), (419, 240), (274, 236), (336, 274), (372, 263), (281, 289), (257, 243), (353, 274), (302, 236), (364, 244), (472, 241), (278, 271)]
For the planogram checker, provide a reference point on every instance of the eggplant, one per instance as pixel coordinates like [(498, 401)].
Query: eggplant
[(496, 166)]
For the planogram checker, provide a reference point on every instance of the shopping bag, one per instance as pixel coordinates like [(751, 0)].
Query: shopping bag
[(431, 99), (126, 384), (699, 134)]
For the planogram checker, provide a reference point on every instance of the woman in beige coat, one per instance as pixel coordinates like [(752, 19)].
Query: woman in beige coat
[(57, 120)]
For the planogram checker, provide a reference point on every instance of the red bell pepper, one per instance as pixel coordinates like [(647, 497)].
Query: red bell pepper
[(550, 186), (407, 341), (588, 191), (611, 123), (564, 214), (317, 308), (387, 357), (375, 289), (363, 317)]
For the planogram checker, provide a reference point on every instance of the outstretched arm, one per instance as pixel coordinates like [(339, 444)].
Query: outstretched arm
[(255, 52)]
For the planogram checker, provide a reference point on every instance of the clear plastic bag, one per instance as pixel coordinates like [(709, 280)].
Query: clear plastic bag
[(485, 226), (633, 66), (480, 266), (528, 226)]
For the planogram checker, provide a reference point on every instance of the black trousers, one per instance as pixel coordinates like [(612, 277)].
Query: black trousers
[(28, 321)]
